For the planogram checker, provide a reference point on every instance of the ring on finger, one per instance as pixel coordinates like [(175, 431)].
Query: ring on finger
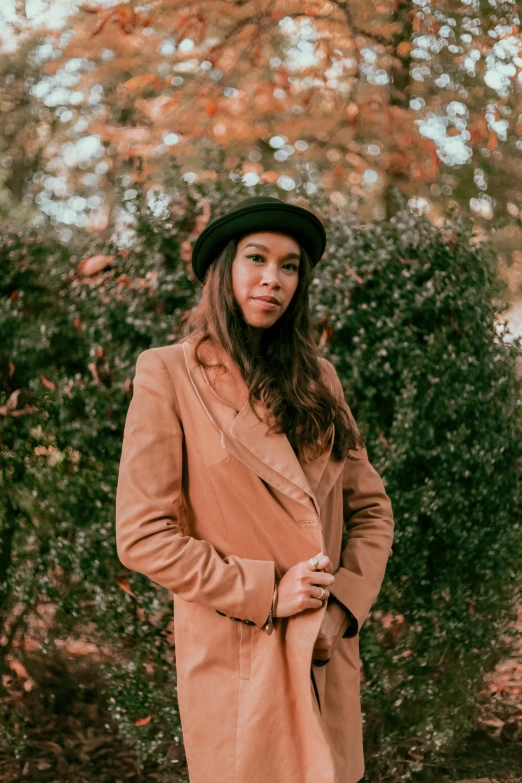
[(323, 594)]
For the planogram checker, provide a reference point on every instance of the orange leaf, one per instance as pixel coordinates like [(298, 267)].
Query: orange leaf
[(18, 668), (352, 110), (11, 368), (94, 264), (48, 384), (403, 49), (143, 80), (12, 402), (186, 251), (94, 372), (203, 217), (382, 437), (143, 721), (326, 335), (122, 582), (353, 273), (78, 646)]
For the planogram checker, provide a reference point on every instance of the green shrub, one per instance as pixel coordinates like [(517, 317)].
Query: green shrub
[(433, 386), (408, 312)]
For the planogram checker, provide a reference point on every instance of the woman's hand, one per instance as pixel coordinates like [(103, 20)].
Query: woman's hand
[(299, 588)]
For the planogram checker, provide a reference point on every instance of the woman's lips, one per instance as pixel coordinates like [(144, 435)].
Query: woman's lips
[(265, 305)]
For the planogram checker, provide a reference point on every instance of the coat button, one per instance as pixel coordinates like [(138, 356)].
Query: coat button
[(249, 622), (221, 613), (238, 619)]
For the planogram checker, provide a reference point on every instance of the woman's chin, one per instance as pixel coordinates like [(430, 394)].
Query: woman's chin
[(261, 321)]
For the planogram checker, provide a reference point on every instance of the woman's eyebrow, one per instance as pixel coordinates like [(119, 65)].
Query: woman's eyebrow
[(263, 247)]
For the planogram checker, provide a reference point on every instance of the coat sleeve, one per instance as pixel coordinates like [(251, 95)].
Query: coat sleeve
[(148, 535), (368, 519)]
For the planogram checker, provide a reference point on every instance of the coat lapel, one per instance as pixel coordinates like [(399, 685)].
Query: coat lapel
[(224, 396)]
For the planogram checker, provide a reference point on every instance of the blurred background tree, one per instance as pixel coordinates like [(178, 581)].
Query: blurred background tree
[(356, 98), (367, 96)]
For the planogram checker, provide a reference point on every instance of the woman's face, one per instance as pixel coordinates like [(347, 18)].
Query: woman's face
[(266, 265)]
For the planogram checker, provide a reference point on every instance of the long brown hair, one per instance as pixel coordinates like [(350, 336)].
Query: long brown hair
[(285, 374)]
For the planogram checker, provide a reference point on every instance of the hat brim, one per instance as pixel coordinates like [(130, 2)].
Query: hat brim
[(299, 223)]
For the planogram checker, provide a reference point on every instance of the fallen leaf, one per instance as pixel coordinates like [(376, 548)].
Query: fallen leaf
[(122, 582), (326, 335), (384, 440), (186, 251), (143, 80), (93, 264), (94, 372), (353, 273), (21, 412), (12, 401), (18, 668), (143, 721), (77, 646), (47, 383)]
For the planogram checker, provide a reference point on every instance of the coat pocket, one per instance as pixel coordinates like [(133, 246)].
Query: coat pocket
[(245, 641)]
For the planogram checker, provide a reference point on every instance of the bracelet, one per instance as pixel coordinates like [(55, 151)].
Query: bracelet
[(269, 627)]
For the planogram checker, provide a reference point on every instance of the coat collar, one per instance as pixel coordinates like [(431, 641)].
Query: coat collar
[(224, 396)]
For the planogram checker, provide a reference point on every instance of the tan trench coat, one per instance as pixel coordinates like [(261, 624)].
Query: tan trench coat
[(211, 508)]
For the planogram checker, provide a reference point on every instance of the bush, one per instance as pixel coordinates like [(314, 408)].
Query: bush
[(406, 313)]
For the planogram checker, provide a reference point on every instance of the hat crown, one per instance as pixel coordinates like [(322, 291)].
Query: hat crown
[(258, 213)]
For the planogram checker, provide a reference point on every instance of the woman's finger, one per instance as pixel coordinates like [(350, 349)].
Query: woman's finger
[(320, 563), (321, 596)]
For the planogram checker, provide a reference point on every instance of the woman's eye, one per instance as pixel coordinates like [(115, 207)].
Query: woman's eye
[(256, 255)]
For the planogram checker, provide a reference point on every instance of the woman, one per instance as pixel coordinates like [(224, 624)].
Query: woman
[(241, 462)]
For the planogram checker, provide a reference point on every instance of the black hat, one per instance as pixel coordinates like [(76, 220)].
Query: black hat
[(259, 213)]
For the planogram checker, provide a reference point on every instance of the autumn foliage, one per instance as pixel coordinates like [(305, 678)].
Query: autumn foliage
[(406, 312)]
